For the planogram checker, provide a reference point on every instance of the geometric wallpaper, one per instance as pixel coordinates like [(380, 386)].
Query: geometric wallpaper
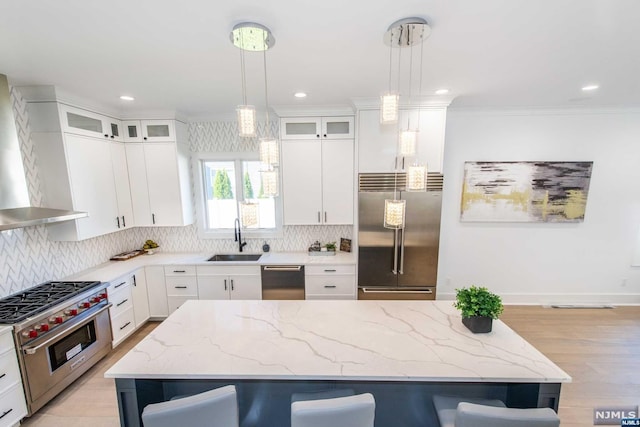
[(28, 257)]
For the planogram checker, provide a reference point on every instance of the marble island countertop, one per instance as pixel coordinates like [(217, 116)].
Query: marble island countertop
[(332, 340), (114, 269)]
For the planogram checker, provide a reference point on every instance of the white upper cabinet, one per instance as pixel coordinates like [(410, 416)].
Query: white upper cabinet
[(377, 143), (160, 183), (149, 131), (318, 192), (84, 180), (87, 123), (123, 190), (316, 127)]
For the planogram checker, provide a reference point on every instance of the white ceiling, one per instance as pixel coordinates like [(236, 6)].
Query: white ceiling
[(177, 55)]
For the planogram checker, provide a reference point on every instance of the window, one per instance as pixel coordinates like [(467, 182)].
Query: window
[(227, 183)]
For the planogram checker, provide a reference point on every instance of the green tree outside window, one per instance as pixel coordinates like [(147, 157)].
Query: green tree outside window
[(222, 185)]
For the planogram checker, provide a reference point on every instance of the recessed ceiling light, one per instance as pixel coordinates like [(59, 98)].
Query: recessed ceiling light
[(442, 91), (590, 87), (300, 95), (127, 98)]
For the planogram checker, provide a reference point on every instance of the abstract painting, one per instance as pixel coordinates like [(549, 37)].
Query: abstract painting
[(525, 191)]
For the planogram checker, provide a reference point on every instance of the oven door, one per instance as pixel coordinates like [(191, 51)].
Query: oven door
[(54, 363)]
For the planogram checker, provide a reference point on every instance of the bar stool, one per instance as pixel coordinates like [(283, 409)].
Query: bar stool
[(349, 411), (213, 408), (473, 412)]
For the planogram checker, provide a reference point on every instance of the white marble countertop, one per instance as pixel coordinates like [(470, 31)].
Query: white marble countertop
[(332, 340), (113, 269)]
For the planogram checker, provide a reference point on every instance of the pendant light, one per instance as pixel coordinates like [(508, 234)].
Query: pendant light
[(389, 101), (394, 210), (403, 33), (249, 36), (416, 178), (269, 182), (248, 214)]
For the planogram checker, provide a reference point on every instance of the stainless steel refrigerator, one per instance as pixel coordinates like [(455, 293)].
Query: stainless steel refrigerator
[(398, 264)]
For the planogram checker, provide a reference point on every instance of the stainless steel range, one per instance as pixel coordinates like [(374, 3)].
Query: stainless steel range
[(61, 329)]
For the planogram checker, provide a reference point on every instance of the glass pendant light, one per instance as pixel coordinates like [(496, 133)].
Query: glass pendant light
[(269, 153), (416, 178), (394, 213), (249, 36), (407, 146), (269, 182), (249, 214)]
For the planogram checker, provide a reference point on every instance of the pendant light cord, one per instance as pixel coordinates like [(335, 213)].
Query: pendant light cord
[(390, 57), (242, 69), (410, 41), (420, 89), (266, 94)]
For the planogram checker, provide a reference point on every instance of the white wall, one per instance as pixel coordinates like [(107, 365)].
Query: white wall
[(588, 262)]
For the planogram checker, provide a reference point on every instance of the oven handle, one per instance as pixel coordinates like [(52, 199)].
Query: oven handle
[(33, 350)]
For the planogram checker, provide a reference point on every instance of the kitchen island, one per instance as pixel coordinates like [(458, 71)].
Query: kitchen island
[(402, 352)]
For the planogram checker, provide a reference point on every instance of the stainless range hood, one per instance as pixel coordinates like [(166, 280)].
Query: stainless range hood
[(15, 211)]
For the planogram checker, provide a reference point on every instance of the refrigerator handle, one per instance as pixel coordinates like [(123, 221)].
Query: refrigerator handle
[(395, 252), (402, 252)]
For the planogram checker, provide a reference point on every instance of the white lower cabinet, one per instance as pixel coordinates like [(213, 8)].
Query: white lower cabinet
[(130, 305), (181, 285), (156, 292), (229, 282), (13, 406), (330, 281)]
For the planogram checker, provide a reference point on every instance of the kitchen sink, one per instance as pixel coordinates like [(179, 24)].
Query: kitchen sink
[(235, 257)]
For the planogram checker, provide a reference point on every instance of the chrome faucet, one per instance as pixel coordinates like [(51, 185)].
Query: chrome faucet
[(238, 235)]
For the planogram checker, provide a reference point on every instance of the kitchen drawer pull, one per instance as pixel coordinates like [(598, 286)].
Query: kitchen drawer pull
[(5, 413), (330, 286), (282, 267), (123, 223), (330, 271), (2, 376), (122, 302), (125, 325), (180, 287), (384, 291), (179, 271), (232, 284), (117, 286), (153, 216), (225, 284), (118, 220)]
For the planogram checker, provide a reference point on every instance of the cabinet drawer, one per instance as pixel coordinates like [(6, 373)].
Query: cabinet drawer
[(122, 325), (175, 302), (182, 286), (13, 404), (332, 285), (121, 300), (119, 283), (228, 270), (338, 269), (179, 270), (9, 370), (6, 341)]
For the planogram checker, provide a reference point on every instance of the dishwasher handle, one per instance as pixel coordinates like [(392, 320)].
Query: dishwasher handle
[(282, 267)]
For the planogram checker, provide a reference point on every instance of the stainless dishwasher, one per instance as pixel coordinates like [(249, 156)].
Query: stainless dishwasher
[(283, 282)]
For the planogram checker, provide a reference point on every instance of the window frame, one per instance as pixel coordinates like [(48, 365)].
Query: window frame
[(200, 196)]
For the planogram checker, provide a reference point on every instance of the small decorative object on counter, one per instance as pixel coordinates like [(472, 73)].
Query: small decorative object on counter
[(345, 245), (150, 247), (316, 249), (331, 246), (126, 255), (478, 307), (266, 247)]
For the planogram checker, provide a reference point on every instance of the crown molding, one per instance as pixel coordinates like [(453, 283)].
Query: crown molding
[(439, 101), (313, 110)]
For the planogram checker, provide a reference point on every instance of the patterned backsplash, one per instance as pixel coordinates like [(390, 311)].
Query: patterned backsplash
[(28, 257)]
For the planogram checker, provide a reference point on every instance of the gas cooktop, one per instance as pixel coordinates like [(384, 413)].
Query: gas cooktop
[(29, 302)]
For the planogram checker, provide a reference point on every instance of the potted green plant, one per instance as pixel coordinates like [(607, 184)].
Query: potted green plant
[(478, 307)]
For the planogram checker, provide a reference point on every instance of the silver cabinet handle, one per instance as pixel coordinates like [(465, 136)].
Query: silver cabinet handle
[(325, 216), (402, 252), (282, 268), (318, 216), (330, 286), (395, 252), (330, 271)]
